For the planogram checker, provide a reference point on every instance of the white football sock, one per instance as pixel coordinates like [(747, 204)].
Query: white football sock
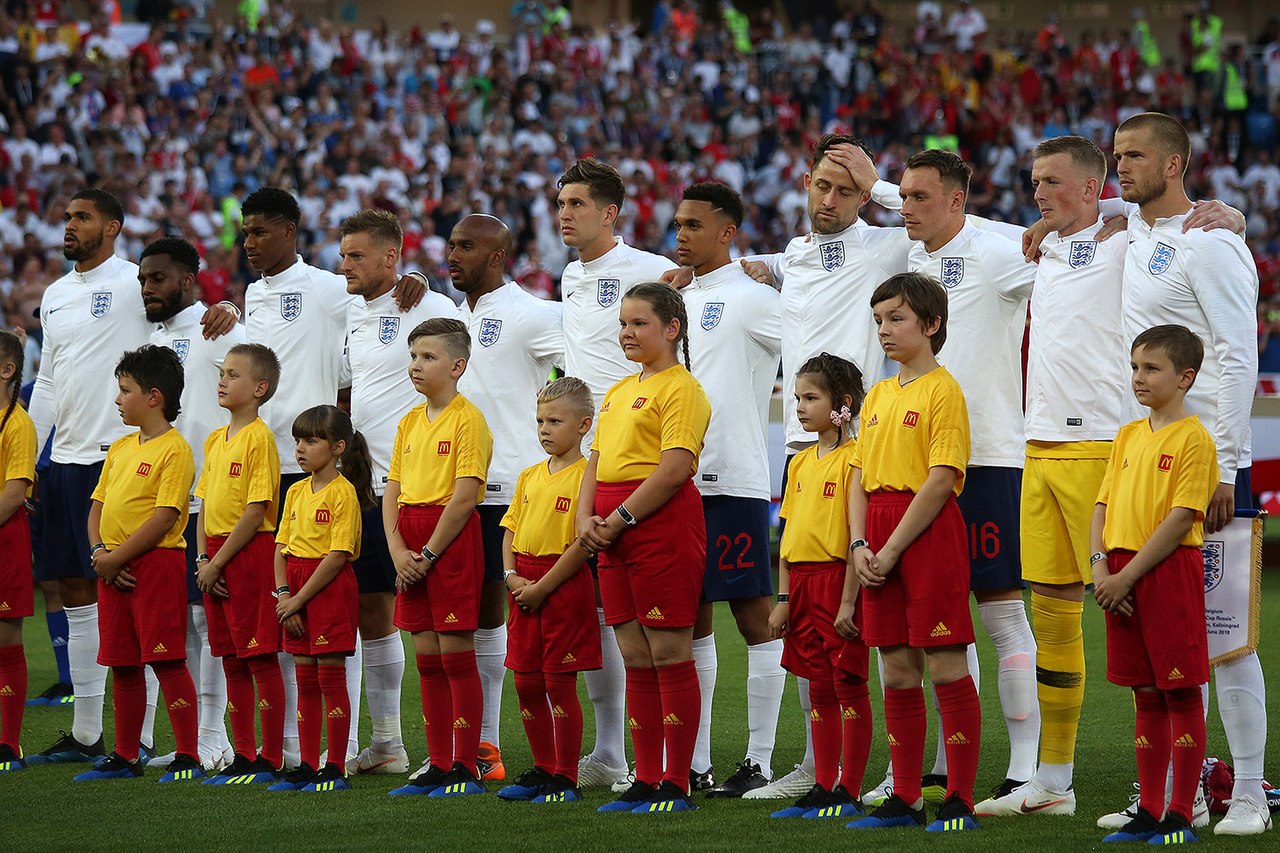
[(707, 664), (148, 738), (765, 680), (806, 706), (88, 677), (355, 669), (289, 674), (940, 754), (1010, 632), (383, 675), (607, 689), (1242, 704), (211, 684), (491, 660), (888, 771)]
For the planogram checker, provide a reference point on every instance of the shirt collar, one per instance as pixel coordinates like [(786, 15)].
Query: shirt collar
[(588, 266), (956, 244), (184, 319), (290, 274), (103, 271)]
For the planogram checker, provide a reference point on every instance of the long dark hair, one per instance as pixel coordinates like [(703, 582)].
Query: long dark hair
[(332, 424), (11, 350), (840, 378), (668, 304)]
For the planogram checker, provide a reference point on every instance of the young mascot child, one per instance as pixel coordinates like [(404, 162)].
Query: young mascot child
[(1148, 575), (640, 509), (438, 467), (136, 520), (18, 472), (823, 640), (240, 489), (552, 630), (317, 599), (911, 551)]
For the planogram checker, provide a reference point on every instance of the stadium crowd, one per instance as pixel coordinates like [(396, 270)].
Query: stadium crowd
[(185, 118)]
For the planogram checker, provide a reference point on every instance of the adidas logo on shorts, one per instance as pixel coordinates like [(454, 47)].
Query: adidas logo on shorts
[(159, 649), (461, 723), (450, 619), (252, 644), (940, 630), (4, 607), (654, 613), (568, 658), (336, 714), (322, 640), (1185, 741), (671, 720), (957, 739), (1175, 674)]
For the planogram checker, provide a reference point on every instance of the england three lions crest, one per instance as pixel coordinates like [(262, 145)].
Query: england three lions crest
[(952, 271), (1212, 549), (388, 329), (711, 314), (101, 304), (832, 255), (1082, 252), (607, 290), (291, 306), (182, 347), (490, 330), (1161, 258)]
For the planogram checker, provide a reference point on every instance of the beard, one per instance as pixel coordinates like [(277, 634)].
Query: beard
[(83, 249), (1143, 192)]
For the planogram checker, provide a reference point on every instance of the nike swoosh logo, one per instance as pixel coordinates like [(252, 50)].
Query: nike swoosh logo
[(1026, 809), (55, 310)]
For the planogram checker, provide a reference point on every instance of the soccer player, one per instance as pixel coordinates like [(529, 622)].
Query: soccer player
[(318, 601), (554, 634), (439, 463), (988, 284), (167, 272), (89, 317), (640, 508), (1206, 281), (911, 552), (516, 339), (300, 312), (1148, 575), (136, 522), (18, 472), (591, 195), (735, 338), (239, 487), (381, 394), (1074, 405)]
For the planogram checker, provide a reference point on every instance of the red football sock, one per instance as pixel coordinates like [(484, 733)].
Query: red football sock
[(1187, 736), (337, 703), (855, 712), (183, 704), (1151, 743), (535, 713), (310, 713), (468, 706), (437, 711), (566, 714), (240, 706), (129, 699), (13, 694), (824, 724), (961, 715), (266, 674), (644, 712), (904, 723), (681, 712)]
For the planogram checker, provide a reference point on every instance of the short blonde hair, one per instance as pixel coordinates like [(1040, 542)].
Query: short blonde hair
[(573, 391)]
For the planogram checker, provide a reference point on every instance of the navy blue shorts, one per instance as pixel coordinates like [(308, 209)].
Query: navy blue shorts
[(786, 469), (991, 506), (738, 563), (491, 532), (65, 494), (375, 572), (194, 595), (1244, 488)]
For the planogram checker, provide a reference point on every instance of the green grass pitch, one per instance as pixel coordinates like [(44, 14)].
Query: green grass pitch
[(40, 809)]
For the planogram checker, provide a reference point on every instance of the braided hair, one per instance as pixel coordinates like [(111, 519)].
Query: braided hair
[(840, 378), (668, 305), (11, 351)]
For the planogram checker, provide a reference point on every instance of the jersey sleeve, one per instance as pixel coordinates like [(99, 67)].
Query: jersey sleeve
[(766, 321), (1197, 474), (100, 490), (202, 476), (263, 460), (774, 263), (511, 519), (475, 447), (685, 415), (41, 406), (19, 452), (1014, 278), (949, 430), (393, 470), (1007, 230), (283, 528), (176, 474), (1117, 453), (344, 528), (546, 340)]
